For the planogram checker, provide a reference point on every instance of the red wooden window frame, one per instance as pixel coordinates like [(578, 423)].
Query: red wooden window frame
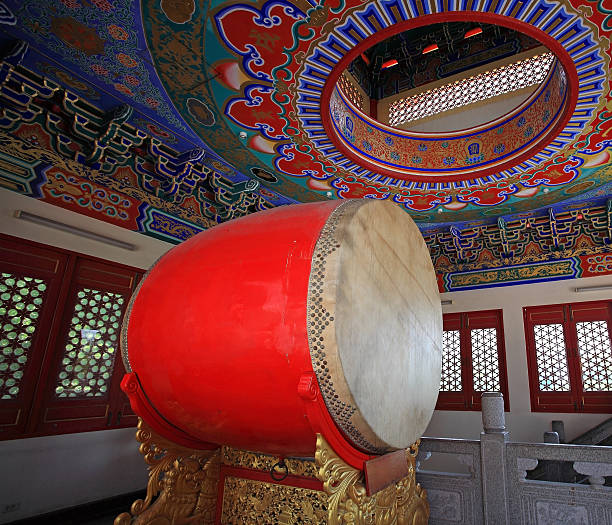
[(37, 411), (566, 314), (464, 322)]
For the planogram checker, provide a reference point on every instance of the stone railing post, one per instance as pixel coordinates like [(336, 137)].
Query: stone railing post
[(493, 459), (558, 427), (553, 468), (551, 437)]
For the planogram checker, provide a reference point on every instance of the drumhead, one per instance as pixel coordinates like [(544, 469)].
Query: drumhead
[(375, 325)]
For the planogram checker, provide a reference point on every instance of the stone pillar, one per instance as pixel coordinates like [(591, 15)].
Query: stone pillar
[(551, 437), (553, 469), (493, 459), (559, 428), (493, 417)]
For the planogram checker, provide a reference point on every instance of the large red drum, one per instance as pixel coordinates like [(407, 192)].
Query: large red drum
[(313, 318)]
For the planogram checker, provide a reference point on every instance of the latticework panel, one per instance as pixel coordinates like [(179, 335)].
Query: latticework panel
[(450, 381), (485, 360), (486, 85), (350, 91), (89, 355), (595, 355), (551, 358), (21, 299)]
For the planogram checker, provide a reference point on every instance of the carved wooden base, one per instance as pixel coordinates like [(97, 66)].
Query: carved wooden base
[(183, 480), (184, 486), (402, 503)]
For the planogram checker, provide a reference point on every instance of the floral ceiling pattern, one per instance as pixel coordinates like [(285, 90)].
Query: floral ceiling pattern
[(250, 84)]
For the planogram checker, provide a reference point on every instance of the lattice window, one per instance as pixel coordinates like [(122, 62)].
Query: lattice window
[(59, 371), (551, 358), (473, 359), (595, 355), (350, 91), (505, 79), (21, 299), (89, 355), (450, 380), (569, 354), (485, 362)]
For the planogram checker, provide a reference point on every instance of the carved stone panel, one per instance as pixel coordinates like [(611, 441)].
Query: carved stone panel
[(553, 513), (445, 505)]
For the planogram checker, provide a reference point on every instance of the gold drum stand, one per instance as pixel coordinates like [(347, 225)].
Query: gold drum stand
[(230, 487)]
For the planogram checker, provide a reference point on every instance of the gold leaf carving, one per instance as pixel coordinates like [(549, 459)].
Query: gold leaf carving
[(402, 503), (255, 461), (184, 481), (246, 502)]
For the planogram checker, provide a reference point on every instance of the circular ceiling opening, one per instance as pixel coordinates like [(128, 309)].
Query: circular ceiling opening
[(448, 100)]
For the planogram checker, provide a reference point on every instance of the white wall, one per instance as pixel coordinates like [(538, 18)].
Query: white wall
[(49, 473), (147, 251), (523, 424)]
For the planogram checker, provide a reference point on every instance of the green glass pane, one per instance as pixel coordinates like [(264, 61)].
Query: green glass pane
[(89, 369), (19, 333)]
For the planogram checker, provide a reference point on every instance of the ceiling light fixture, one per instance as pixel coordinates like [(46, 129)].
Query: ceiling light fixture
[(429, 49), (473, 32), (44, 221), (594, 288), (389, 63)]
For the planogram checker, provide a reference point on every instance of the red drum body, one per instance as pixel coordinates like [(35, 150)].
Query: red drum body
[(263, 331)]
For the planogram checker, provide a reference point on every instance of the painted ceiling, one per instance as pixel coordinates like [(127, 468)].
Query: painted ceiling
[(249, 82)]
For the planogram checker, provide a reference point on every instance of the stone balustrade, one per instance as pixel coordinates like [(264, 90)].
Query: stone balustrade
[(493, 489)]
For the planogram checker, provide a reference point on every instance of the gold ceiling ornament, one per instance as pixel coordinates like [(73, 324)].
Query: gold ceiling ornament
[(403, 503), (183, 479)]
